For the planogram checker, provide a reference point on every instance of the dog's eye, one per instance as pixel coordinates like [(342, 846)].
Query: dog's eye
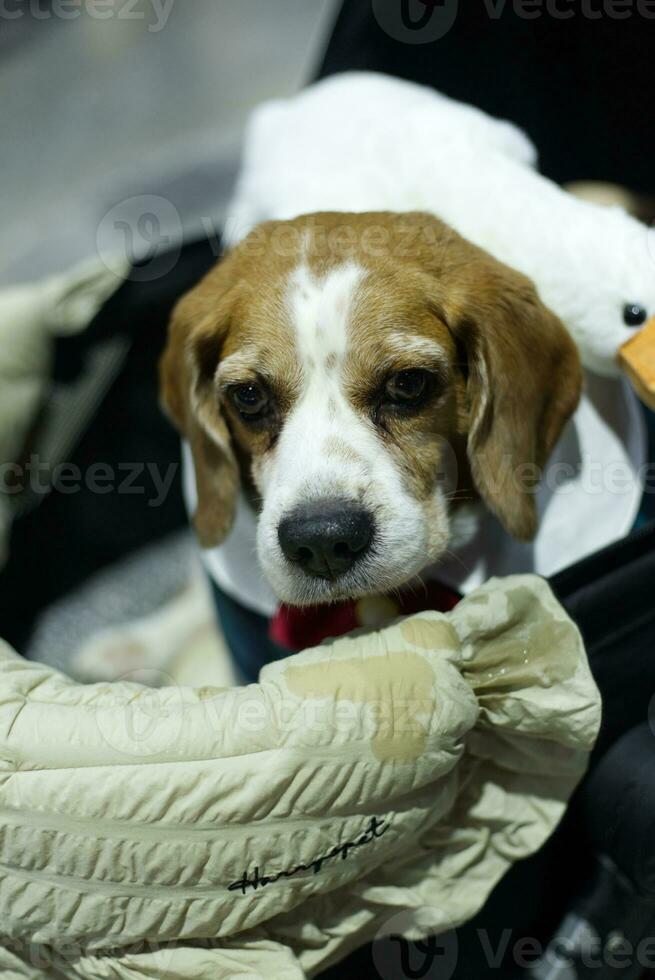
[(406, 387), (251, 401), (634, 315)]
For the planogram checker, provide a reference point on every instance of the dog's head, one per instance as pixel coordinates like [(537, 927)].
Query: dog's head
[(356, 373)]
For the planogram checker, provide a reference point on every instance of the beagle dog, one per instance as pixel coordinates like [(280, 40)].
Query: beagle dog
[(360, 377)]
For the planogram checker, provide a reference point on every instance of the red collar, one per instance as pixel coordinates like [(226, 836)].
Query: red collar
[(299, 629)]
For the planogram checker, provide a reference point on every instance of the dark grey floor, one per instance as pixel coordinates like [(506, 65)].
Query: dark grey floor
[(150, 101)]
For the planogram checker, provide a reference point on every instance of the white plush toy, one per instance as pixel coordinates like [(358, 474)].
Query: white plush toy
[(369, 142)]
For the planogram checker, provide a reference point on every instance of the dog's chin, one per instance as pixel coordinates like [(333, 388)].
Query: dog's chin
[(296, 588)]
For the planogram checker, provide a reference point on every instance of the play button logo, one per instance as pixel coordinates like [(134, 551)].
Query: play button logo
[(415, 21), (397, 956)]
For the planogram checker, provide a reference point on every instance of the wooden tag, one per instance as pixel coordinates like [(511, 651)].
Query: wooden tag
[(637, 358)]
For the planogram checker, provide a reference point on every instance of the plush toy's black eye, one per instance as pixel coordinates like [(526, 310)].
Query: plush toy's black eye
[(250, 400), (634, 315), (406, 387)]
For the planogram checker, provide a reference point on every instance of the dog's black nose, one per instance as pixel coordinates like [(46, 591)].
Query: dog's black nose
[(326, 537)]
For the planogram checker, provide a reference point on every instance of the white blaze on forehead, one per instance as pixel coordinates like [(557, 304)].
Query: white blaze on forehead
[(320, 310)]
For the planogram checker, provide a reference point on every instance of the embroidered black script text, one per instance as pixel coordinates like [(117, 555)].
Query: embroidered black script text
[(376, 828)]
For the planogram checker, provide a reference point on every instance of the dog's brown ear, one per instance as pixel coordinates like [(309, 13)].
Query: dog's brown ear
[(187, 369), (524, 383)]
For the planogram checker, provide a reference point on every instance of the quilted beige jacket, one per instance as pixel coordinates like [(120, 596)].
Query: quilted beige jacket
[(265, 831)]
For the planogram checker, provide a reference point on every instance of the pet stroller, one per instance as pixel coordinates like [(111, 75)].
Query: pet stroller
[(584, 906)]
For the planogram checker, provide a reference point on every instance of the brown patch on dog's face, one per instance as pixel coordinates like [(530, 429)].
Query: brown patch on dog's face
[(388, 379), (395, 332)]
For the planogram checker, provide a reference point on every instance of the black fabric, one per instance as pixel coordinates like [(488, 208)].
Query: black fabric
[(581, 87), (246, 635), (623, 831), (611, 596)]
